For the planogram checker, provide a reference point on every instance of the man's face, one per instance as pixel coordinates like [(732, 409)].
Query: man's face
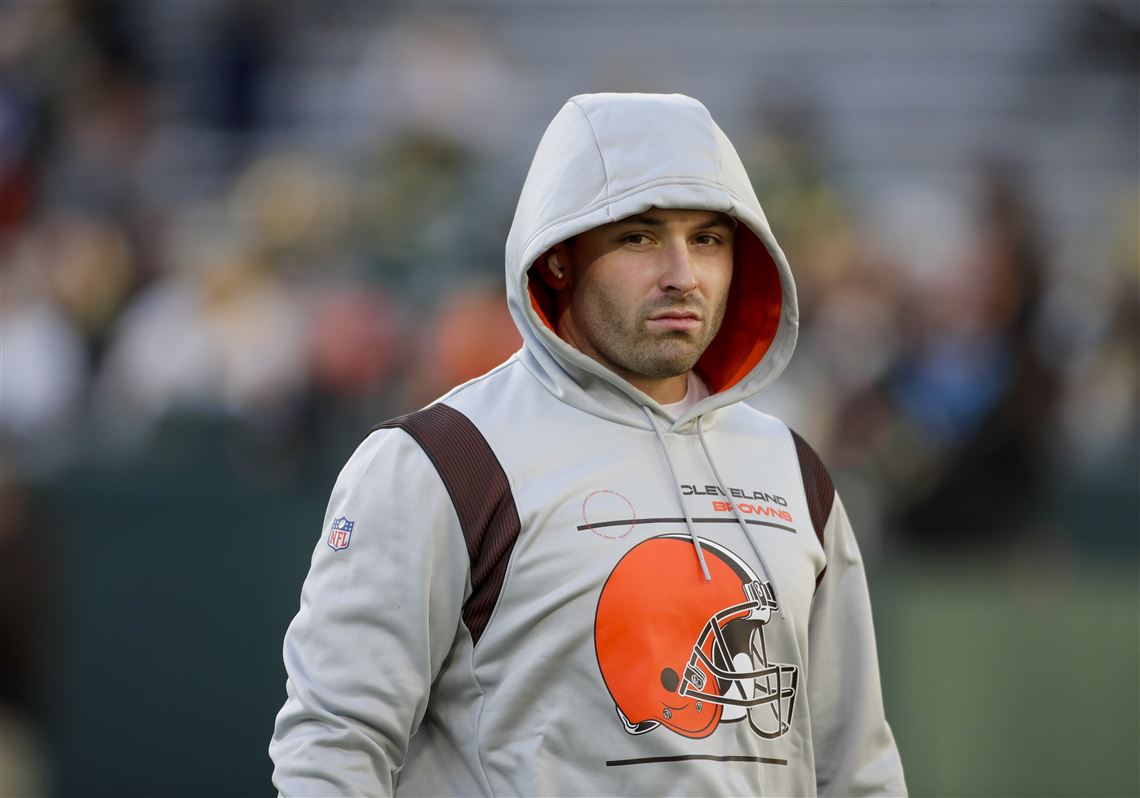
[(646, 295)]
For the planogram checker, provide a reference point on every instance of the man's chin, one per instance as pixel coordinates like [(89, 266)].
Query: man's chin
[(665, 367)]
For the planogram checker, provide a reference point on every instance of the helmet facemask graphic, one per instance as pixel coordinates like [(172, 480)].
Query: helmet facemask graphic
[(677, 651), (732, 656)]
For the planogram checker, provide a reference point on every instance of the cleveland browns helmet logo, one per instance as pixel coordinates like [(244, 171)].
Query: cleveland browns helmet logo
[(680, 652)]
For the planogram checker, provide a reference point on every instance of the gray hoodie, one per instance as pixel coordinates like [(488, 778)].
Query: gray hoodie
[(543, 584)]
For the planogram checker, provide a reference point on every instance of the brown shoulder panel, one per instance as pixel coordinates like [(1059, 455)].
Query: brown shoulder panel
[(817, 485), (481, 495)]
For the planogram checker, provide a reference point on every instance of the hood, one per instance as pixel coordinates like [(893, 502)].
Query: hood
[(608, 156)]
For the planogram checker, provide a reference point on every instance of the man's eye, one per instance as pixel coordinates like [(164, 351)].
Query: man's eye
[(707, 239), (636, 239)]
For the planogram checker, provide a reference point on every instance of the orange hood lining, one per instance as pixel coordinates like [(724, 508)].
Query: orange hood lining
[(751, 317)]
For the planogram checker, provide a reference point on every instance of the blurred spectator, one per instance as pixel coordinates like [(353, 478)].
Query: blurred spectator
[(409, 209), (470, 333), (27, 592), (44, 365), (848, 290), (225, 338), (167, 230), (435, 75), (293, 209), (357, 343), (236, 72), (957, 429), (1095, 317)]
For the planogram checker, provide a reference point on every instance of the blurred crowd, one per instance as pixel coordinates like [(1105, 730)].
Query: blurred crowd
[(197, 222), (147, 275), (173, 245)]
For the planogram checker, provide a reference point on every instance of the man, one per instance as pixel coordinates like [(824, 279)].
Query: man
[(595, 570)]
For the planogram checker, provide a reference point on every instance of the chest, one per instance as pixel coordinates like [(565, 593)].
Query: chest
[(590, 500)]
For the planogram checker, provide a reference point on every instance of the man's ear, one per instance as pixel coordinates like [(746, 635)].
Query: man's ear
[(553, 270)]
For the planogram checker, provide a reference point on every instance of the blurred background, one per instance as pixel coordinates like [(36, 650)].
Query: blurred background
[(234, 235)]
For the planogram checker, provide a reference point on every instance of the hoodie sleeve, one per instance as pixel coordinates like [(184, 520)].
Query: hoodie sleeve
[(855, 752), (377, 618)]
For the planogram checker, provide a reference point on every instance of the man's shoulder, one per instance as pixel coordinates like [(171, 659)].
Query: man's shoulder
[(492, 380), (394, 440), (743, 416), (508, 400), (767, 424), (493, 404), (480, 397), (469, 398)]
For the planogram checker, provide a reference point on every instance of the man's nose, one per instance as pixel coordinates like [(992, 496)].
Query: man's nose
[(678, 272)]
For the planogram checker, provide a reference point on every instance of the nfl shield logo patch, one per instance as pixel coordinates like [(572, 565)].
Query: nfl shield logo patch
[(340, 533)]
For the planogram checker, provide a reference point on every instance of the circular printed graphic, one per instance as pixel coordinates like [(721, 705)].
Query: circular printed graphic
[(608, 514)]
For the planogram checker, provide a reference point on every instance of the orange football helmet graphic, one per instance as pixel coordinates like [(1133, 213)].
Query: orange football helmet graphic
[(688, 654)]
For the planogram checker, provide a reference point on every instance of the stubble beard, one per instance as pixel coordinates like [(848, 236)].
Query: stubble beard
[(636, 350)]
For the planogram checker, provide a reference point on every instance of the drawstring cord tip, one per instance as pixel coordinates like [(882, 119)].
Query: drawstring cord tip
[(704, 567)]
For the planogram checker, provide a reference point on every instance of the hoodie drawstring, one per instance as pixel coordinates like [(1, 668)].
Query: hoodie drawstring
[(680, 498), (724, 492), (736, 511)]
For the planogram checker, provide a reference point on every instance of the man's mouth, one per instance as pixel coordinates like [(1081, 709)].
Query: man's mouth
[(680, 320)]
